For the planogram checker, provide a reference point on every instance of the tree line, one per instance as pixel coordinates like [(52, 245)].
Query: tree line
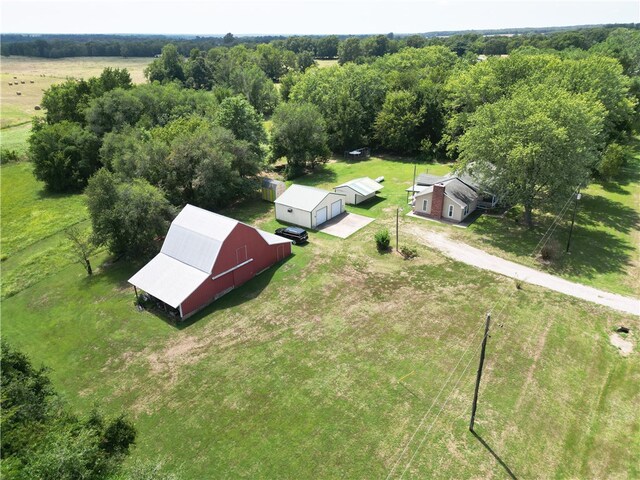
[(348, 48)]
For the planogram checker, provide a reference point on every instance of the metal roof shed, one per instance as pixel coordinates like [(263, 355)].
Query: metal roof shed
[(359, 190)]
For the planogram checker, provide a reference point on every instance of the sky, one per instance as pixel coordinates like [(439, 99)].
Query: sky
[(287, 17)]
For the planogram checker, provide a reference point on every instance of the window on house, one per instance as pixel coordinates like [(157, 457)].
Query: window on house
[(451, 210), (466, 210), (424, 205)]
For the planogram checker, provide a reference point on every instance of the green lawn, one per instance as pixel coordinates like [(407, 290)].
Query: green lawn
[(295, 375), (32, 242), (15, 138)]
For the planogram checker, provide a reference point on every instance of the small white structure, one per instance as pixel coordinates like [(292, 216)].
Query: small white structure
[(308, 207), (359, 190)]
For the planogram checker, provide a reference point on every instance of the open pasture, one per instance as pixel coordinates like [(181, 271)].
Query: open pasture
[(43, 72)]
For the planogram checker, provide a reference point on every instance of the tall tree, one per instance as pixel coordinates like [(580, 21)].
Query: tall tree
[(535, 146), (349, 98), (42, 439), (350, 50), (127, 217), (398, 124), (299, 134), (64, 155), (237, 114), (167, 68)]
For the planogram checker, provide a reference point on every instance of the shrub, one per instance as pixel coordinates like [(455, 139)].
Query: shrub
[(408, 252), (551, 251), (383, 239), (9, 156)]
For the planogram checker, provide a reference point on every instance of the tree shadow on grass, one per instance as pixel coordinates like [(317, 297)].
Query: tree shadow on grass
[(321, 174), (369, 204), (495, 455), (508, 234), (46, 194), (593, 253), (596, 209), (249, 210)]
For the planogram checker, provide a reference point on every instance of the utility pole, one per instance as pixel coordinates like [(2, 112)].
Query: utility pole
[(479, 375), (397, 221), (575, 207)]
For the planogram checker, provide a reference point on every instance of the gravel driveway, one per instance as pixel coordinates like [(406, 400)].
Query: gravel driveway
[(481, 259)]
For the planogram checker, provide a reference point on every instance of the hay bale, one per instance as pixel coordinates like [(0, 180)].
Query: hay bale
[(18, 93), (15, 78), (22, 82), (37, 107), (10, 84), (32, 81)]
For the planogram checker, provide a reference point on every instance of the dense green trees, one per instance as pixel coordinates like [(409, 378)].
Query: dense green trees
[(535, 146), (397, 125), (64, 155), (237, 115), (42, 439), (127, 217), (167, 68), (490, 81), (299, 134), (193, 159), (68, 100), (348, 97)]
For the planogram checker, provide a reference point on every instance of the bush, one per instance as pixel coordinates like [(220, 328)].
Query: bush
[(9, 156), (408, 252), (383, 239), (613, 159), (551, 251)]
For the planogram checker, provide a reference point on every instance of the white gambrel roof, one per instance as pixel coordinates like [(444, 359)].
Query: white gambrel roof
[(195, 237), (303, 197), (363, 186), (188, 254)]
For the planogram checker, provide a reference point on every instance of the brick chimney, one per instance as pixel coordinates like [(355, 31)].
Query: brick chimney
[(437, 200)]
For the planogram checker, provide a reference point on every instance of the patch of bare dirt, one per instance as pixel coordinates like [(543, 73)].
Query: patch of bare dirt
[(624, 345)]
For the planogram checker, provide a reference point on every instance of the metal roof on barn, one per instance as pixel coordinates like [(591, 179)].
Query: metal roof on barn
[(188, 254)]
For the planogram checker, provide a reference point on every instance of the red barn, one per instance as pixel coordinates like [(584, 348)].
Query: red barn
[(204, 256)]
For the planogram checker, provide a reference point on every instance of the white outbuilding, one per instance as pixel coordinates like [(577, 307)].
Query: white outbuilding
[(359, 190), (308, 207)]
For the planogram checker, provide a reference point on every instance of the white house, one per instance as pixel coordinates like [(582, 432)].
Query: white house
[(308, 207), (359, 190)]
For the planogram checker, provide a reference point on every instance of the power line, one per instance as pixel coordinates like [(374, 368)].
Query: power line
[(549, 232)]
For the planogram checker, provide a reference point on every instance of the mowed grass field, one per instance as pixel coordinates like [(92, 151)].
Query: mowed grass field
[(325, 366), (19, 109)]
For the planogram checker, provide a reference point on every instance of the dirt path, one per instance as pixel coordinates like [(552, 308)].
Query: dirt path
[(481, 259)]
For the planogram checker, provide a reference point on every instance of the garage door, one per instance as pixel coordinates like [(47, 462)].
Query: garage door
[(336, 208), (321, 216)]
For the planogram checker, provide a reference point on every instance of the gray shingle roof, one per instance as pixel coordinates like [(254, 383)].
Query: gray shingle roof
[(426, 179)]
